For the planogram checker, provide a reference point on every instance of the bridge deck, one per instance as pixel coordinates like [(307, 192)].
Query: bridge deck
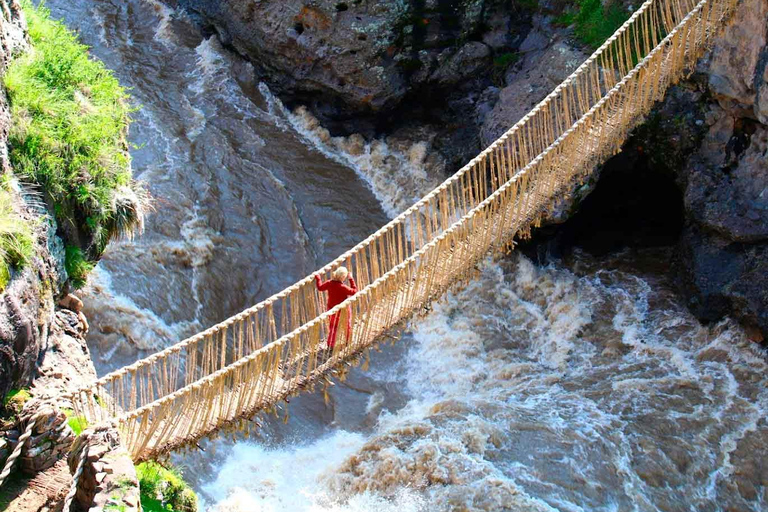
[(258, 358)]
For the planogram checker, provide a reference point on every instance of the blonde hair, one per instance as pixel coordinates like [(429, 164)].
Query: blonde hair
[(340, 274)]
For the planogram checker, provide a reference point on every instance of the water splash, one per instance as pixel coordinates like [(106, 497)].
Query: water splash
[(255, 479), (124, 320), (397, 177), (544, 388)]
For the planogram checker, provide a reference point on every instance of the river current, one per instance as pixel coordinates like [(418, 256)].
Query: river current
[(578, 386)]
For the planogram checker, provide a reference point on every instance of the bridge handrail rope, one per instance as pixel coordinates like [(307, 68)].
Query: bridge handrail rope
[(500, 193), (268, 326)]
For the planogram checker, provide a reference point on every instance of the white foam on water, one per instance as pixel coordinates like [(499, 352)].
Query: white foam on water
[(537, 389), (164, 31), (209, 75), (397, 178), (256, 479), (141, 327)]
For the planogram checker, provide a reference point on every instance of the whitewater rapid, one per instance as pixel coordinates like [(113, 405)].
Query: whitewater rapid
[(572, 387), (540, 389)]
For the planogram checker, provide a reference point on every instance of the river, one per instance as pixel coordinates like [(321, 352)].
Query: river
[(580, 386)]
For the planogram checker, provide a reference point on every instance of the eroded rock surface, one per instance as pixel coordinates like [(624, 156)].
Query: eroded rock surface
[(724, 247), (358, 57), (547, 60)]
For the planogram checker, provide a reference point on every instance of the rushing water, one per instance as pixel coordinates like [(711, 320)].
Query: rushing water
[(587, 387), (246, 202), (575, 387)]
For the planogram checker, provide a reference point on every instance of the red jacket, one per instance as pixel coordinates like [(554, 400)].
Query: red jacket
[(337, 291)]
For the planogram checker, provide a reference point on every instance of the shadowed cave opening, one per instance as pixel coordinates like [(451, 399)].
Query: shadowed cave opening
[(635, 204)]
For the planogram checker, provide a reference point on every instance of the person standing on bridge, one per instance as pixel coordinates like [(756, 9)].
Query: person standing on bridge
[(337, 293)]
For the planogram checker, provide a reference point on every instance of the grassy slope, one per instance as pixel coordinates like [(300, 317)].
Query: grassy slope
[(68, 135), (593, 22)]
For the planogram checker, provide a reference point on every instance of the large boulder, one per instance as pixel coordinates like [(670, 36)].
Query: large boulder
[(345, 59), (547, 60), (724, 248)]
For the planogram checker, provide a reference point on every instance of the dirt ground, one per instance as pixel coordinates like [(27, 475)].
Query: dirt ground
[(44, 492)]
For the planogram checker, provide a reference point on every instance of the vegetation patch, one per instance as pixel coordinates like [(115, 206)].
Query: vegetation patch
[(164, 490), (70, 119), (501, 63), (16, 238), (594, 22), (76, 423), (13, 403), (78, 267)]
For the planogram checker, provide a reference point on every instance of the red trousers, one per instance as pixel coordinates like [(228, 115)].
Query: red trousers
[(334, 326)]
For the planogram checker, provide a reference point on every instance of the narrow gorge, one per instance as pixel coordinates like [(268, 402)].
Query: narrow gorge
[(615, 361)]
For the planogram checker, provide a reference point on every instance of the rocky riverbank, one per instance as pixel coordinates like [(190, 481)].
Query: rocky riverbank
[(43, 352)]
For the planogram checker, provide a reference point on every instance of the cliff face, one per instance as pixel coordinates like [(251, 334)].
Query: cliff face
[(393, 68), (724, 246), (24, 312), (359, 57), (32, 332), (13, 39)]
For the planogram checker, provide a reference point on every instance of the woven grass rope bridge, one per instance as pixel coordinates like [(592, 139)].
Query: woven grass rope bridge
[(270, 351)]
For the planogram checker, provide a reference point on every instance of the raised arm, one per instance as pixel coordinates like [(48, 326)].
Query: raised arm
[(352, 288), (322, 286)]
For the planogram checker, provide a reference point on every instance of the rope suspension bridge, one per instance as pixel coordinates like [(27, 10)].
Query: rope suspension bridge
[(272, 350)]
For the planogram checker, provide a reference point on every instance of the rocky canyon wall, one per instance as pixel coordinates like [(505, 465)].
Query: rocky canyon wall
[(462, 72)]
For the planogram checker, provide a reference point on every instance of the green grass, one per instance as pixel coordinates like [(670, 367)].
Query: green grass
[(16, 239), (77, 423), (504, 60), (164, 490), (70, 119), (16, 398), (13, 403), (593, 22), (78, 267)]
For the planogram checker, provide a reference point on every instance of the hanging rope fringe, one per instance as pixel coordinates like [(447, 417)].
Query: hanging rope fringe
[(263, 355)]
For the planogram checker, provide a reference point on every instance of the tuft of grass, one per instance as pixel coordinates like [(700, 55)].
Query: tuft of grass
[(505, 60), (16, 239), (77, 266), (70, 119), (77, 423), (501, 63), (16, 398), (594, 23), (13, 403), (164, 490)]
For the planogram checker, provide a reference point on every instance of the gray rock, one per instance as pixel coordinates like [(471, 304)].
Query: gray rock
[(471, 58), (732, 200), (345, 58), (540, 72), (722, 278), (736, 66)]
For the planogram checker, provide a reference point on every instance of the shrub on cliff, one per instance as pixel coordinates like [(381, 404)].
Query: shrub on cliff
[(70, 119), (594, 22), (16, 238), (164, 490)]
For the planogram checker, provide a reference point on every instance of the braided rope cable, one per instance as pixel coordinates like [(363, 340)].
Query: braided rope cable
[(76, 478), (20, 444), (423, 271)]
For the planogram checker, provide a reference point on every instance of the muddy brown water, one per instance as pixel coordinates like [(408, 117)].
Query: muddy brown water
[(576, 387)]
